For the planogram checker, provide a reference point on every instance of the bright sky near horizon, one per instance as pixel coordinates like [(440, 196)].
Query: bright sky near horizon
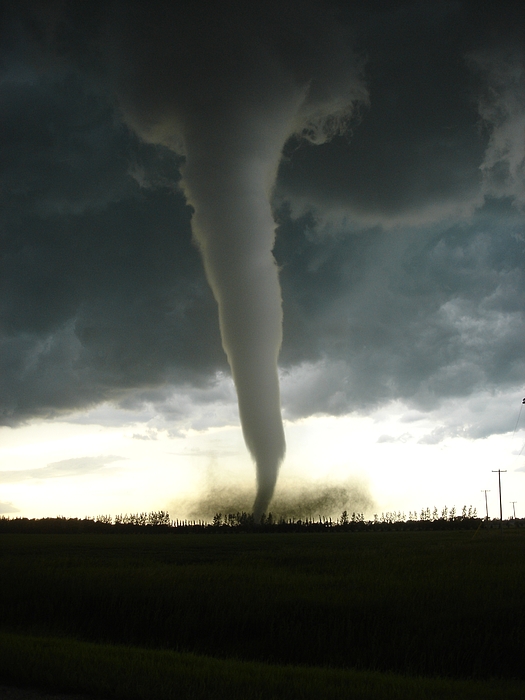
[(400, 246), (388, 461)]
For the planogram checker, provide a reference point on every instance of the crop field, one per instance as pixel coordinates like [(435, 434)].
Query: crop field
[(357, 615)]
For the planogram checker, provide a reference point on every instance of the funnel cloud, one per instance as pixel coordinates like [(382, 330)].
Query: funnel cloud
[(227, 89)]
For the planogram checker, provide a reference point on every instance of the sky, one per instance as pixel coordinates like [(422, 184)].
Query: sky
[(383, 146)]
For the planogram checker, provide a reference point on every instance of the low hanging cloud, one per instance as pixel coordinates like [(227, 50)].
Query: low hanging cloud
[(434, 317), (74, 467), (502, 110), (403, 438), (7, 508)]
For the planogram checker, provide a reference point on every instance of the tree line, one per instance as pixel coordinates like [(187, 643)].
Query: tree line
[(160, 521)]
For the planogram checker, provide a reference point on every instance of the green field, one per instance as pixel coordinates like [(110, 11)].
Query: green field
[(357, 615)]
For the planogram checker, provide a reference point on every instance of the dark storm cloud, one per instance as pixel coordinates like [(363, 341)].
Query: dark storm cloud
[(400, 247), (422, 316), (96, 304), (102, 289), (433, 69)]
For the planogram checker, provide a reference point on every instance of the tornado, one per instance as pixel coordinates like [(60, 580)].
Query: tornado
[(228, 182), (227, 87)]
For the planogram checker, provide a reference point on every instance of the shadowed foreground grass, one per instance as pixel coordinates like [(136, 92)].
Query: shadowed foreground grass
[(360, 615), (127, 673)]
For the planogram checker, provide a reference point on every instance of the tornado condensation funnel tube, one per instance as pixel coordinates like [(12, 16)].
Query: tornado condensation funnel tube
[(235, 230)]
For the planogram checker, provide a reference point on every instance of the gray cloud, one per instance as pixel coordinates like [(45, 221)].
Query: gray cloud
[(95, 299), (7, 507), (415, 155), (502, 109), (76, 466), (404, 437), (445, 123), (149, 434), (417, 315), (386, 438)]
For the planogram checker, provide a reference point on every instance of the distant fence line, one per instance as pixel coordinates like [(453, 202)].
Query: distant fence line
[(160, 522)]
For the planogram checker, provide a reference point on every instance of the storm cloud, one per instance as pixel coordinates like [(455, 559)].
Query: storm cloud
[(400, 245)]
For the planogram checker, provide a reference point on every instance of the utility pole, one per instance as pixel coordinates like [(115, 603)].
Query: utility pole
[(485, 491), (499, 472), (514, 508)]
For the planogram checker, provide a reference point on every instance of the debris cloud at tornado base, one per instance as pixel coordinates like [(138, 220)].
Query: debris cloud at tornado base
[(226, 87), (302, 502)]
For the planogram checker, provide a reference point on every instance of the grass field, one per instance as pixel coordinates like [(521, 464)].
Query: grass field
[(367, 615)]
